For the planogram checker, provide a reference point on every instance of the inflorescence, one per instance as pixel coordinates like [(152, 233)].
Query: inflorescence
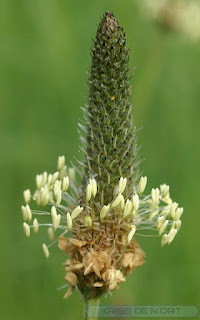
[(102, 213)]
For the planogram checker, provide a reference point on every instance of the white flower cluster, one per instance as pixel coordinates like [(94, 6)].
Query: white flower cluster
[(183, 15), (139, 212)]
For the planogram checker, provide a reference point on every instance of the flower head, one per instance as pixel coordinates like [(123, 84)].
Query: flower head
[(105, 211)]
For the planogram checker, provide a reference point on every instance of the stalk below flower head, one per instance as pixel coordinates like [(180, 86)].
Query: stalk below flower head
[(102, 214)]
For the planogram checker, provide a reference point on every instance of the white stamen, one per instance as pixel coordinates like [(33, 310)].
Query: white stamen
[(164, 239), (54, 177), (177, 225), (178, 213), (171, 235), (51, 234), (127, 208), (76, 212), (35, 225), (136, 201), (104, 211), (61, 162), (24, 213), (27, 196), (159, 222), (29, 213), (59, 198), (44, 178), (142, 185), (88, 221), (94, 187), (153, 214), (65, 184), (39, 181), (122, 185), (164, 189), (155, 193), (163, 227), (117, 201), (57, 188), (173, 208), (88, 192), (69, 221), (45, 250), (131, 233), (26, 229)]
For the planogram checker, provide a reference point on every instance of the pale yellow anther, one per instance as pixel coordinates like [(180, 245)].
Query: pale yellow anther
[(177, 224), (51, 234), (24, 213), (153, 214), (53, 211), (53, 178), (69, 221), (178, 213), (122, 185), (76, 212), (57, 188), (131, 233), (59, 198), (155, 194), (117, 201), (65, 184), (173, 208), (88, 192), (159, 222), (45, 250), (127, 208), (171, 235), (55, 219), (142, 185), (164, 189), (44, 178), (29, 213), (61, 162), (136, 201), (58, 218), (94, 187), (38, 179), (49, 179), (166, 211), (27, 196), (104, 211), (35, 225), (163, 227), (45, 200), (26, 229), (88, 221), (44, 196), (122, 203), (164, 239)]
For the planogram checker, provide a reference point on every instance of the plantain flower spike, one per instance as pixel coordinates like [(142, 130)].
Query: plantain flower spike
[(104, 213)]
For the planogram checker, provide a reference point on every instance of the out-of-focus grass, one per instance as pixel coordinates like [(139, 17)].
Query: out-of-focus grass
[(44, 57)]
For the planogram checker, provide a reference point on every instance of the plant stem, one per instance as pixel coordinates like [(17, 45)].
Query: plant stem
[(94, 303)]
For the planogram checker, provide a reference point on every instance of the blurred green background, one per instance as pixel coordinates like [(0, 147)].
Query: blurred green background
[(44, 56)]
